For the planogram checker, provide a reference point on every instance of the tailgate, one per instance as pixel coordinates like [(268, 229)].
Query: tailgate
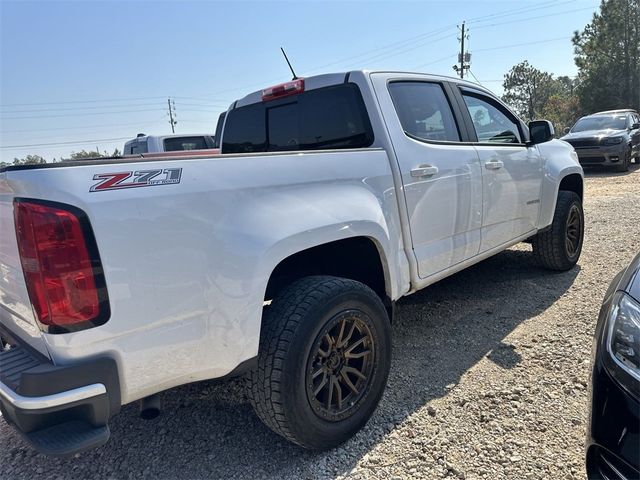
[(16, 314)]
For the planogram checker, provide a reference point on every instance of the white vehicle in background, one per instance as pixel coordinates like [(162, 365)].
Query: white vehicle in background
[(168, 143), (280, 259)]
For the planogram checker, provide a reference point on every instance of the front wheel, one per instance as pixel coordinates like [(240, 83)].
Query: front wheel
[(323, 362), (625, 162), (559, 247)]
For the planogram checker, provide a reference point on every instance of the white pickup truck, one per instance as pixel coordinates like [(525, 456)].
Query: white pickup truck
[(279, 259)]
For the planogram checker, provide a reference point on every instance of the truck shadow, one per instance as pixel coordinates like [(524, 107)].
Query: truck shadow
[(208, 430)]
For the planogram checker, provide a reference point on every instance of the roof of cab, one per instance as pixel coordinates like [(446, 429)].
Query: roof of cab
[(175, 135), (328, 79)]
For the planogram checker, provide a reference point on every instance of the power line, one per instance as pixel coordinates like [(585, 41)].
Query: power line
[(434, 62), (78, 101), (81, 108), (476, 78), (518, 20), (65, 143), (522, 44), (391, 46), (405, 50), (75, 127), (515, 11), (493, 48), (79, 114), (519, 11)]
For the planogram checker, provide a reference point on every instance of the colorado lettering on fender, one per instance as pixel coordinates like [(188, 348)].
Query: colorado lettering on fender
[(140, 178)]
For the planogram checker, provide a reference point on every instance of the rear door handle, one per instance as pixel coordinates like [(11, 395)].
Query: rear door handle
[(424, 171), (494, 164)]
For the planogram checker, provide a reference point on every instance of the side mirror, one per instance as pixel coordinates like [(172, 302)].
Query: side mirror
[(540, 131), (567, 130), (635, 126)]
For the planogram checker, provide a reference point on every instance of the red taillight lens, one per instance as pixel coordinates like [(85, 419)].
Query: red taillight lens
[(58, 267), (283, 90)]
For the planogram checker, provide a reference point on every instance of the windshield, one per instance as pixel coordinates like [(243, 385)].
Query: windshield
[(600, 123)]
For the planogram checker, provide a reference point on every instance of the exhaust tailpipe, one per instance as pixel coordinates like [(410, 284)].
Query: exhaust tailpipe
[(150, 407)]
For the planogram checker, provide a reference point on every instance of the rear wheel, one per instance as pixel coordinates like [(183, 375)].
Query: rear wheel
[(559, 247), (325, 353)]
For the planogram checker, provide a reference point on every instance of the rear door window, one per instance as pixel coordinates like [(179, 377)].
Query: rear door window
[(325, 118), (424, 112)]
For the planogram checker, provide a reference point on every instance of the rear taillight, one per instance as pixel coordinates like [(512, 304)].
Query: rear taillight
[(283, 90), (61, 266)]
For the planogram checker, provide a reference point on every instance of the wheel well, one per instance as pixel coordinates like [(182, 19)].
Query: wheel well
[(355, 258), (572, 183)]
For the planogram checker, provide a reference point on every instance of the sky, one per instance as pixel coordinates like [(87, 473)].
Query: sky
[(91, 74)]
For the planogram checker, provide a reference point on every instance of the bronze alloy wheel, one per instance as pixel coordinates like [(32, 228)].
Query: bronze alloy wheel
[(574, 227), (340, 367)]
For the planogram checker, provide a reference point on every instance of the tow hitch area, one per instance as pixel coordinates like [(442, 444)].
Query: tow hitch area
[(58, 410)]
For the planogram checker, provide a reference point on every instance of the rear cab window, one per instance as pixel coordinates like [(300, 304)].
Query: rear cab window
[(136, 147), (333, 117), (175, 144)]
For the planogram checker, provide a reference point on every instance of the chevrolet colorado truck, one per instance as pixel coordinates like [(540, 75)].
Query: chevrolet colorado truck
[(279, 259)]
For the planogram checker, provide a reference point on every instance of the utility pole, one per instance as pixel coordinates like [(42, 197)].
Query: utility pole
[(172, 114), (464, 58), (462, 53)]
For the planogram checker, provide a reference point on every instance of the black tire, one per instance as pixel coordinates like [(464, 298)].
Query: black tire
[(551, 248), (281, 387), (625, 163)]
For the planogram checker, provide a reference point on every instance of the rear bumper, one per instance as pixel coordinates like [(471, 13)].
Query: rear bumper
[(58, 410)]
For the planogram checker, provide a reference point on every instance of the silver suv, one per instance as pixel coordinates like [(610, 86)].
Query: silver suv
[(610, 138)]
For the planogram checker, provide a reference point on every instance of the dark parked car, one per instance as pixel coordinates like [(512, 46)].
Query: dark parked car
[(613, 437), (609, 138)]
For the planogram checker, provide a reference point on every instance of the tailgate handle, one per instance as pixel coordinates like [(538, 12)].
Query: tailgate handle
[(424, 171)]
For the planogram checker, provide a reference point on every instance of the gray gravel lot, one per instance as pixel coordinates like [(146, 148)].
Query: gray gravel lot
[(489, 380)]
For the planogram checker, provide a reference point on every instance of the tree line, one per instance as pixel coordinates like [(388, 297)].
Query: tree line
[(607, 54), (81, 155)]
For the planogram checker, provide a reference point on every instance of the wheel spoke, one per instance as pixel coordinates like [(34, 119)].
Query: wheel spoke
[(329, 340), (569, 246), (339, 340), (334, 381), (348, 382), (320, 386), (317, 372), (352, 347), (355, 371), (346, 340), (357, 355), (332, 384)]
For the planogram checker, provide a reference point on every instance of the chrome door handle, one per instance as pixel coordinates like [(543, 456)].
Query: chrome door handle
[(494, 164), (424, 171)]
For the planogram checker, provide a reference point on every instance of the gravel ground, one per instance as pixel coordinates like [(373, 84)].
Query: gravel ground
[(489, 380)]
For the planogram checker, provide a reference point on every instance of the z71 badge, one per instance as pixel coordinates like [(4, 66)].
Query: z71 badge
[(139, 178)]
